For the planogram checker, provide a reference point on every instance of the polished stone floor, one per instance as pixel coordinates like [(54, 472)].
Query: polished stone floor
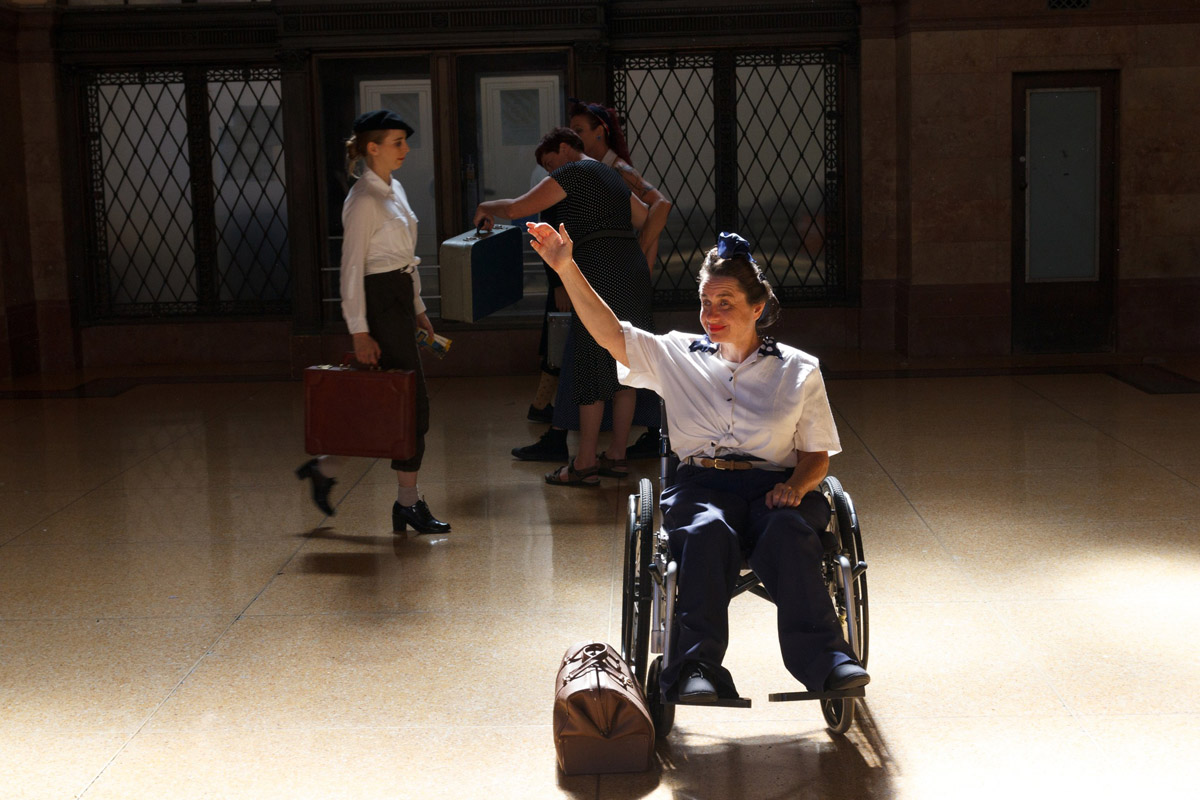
[(178, 621)]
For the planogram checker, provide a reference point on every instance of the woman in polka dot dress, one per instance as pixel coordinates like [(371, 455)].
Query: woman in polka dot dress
[(603, 217)]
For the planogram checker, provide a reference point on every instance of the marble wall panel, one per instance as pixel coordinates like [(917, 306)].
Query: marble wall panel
[(186, 343), (1166, 46), (877, 60), (962, 319), (961, 262), (1160, 257), (948, 52), (1168, 215), (959, 200), (1158, 315), (57, 349), (5, 352), (22, 335), (1151, 172), (964, 137), (1118, 41), (958, 95), (877, 325)]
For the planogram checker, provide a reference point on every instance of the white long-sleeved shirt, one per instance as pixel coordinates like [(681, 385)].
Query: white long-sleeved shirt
[(379, 235)]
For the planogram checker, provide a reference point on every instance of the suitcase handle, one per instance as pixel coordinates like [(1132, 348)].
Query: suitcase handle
[(350, 360)]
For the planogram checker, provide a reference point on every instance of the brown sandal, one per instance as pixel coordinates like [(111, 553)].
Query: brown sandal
[(569, 476), (612, 467)]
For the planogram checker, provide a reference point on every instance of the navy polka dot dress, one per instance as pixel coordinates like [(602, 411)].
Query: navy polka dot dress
[(596, 213)]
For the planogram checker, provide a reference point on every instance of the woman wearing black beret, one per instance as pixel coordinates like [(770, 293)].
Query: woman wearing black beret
[(381, 293)]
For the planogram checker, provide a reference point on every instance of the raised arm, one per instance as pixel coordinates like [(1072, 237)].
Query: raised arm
[(555, 247), (535, 201)]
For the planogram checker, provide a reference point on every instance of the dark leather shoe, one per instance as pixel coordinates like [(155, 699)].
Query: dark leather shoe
[(544, 414), (419, 516), (646, 445), (551, 447), (321, 484), (846, 676), (695, 685)]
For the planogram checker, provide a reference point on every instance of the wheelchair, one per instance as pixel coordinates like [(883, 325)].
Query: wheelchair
[(651, 575)]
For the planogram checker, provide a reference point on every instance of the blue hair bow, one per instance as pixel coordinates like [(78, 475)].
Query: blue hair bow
[(730, 245)]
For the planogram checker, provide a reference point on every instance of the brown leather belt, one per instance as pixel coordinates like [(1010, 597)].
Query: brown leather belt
[(721, 463)]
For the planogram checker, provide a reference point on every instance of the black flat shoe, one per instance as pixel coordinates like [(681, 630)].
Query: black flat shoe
[(695, 686), (846, 676), (646, 445), (544, 414), (552, 446), (321, 484), (419, 516)]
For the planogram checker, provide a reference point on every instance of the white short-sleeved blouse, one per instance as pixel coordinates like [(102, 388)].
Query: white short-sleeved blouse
[(770, 406)]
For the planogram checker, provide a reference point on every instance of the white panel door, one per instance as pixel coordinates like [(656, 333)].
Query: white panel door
[(517, 110)]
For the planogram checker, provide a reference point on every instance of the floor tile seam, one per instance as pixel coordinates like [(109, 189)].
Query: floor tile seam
[(208, 651), (140, 727), (88, 491), (1094, 426), (120, 618), (207, 730), (946, 551), (239, 543), (1046, 678), (457, 612)]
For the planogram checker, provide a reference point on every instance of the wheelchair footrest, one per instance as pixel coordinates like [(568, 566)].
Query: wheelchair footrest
[(736, 702), (785, 697)]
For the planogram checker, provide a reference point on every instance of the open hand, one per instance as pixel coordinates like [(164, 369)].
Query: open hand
[(555, 247)]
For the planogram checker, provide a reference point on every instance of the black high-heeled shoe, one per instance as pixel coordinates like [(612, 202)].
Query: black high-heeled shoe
[(419, 516), (321, 484)]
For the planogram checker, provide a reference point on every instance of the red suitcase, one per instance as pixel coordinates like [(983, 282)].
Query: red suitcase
[(360, 412)]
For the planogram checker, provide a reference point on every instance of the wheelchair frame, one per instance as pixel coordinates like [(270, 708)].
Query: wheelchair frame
[(648, 601)]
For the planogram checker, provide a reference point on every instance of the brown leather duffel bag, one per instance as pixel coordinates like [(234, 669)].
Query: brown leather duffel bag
[(601, 723)]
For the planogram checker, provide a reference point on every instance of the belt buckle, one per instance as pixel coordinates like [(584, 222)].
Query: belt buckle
[(721, 463)]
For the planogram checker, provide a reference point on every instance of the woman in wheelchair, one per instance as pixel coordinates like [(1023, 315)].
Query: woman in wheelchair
[(752, 427)]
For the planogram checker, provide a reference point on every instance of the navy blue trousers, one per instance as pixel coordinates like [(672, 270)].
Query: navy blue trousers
[(717, 518)]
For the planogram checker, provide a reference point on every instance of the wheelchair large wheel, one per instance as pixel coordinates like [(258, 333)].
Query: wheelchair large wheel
[(635, 603), (662, 714), (839, 712)]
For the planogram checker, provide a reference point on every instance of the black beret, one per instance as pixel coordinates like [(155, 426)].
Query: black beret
[(381, 120)]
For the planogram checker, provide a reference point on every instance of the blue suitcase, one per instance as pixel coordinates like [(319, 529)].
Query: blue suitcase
[(481, 272)]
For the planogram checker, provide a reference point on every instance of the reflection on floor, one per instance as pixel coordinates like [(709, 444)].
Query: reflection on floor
[(178, 621)]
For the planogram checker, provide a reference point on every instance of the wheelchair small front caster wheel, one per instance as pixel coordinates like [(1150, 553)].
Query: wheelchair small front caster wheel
[(661, 714)]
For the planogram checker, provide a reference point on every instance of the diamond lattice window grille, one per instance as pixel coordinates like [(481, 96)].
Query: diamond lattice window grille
[(787, 171), (788, 163), (668, 106), (249, 202), (187, 205), (145, 224)]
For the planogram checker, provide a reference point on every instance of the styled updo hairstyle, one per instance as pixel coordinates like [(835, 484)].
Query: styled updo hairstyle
[(607, 119), (750, 279), (356, 149), (555, 139)]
